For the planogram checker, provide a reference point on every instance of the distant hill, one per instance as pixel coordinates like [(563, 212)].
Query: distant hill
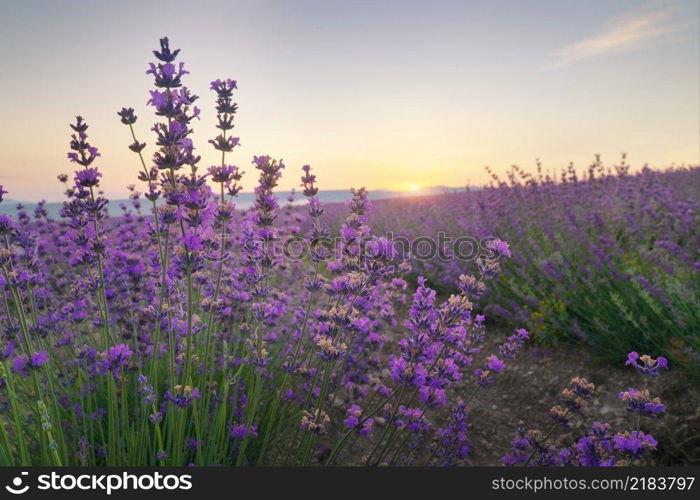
[(244, 200)]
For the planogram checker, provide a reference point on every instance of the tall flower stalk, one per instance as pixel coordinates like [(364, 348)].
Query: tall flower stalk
[(227, 177)]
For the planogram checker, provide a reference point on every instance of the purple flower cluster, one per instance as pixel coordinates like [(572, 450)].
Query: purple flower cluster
[(646, 365), (354, 421), (22, 363), (453, 442), (634, 444), (640, 402), (114, 360), (599, 447)]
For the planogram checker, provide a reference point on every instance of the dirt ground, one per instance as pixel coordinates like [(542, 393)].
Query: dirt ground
[(531, 384)]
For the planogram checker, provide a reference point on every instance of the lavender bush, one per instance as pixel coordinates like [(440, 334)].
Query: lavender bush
[(190, 336)]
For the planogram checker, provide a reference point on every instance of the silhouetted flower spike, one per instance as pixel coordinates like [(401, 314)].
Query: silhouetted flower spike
[(80, 126), (127, 115), (137, 147), (165, 54), (167, 75), (226, 144)]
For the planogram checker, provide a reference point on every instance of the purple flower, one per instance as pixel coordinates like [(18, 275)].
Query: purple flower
[(407, 372), (499, 247), (119, 354), (453, 442), (225, 109), (595, 448), (367, 427), (353, 419), (645, 364), (577, 394), (127, 116), (315, 422), (183, 397), (494, 364), (114, 360), (225, 144), (39, 358), (471, 286), (223, 87), (432, 396), (634, 444), (192, 243), (412, 419), (166, 55), (240, 431), (519, 451), (146, 390), (483, 377), (7, 225), (20, 364), (167, 75), (90, 177), (642, 403)]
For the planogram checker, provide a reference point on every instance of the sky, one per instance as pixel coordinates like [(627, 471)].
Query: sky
[(382, 94)]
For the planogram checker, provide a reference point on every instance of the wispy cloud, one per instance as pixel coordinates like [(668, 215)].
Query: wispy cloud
[(624, 33)]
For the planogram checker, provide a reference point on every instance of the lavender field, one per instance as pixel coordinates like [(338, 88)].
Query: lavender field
[(189, 330), (609, 260)]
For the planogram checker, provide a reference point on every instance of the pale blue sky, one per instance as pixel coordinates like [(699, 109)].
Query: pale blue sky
[(387, 94)]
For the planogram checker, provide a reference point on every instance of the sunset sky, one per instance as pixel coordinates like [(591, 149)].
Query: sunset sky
[(386, 94)]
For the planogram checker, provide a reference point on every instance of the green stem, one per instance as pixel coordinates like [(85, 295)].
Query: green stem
[(25, 461)]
